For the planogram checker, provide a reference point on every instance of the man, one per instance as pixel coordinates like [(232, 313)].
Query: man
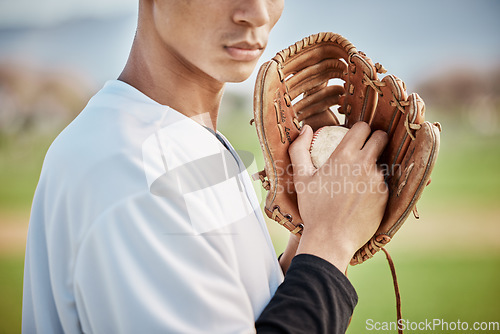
[(144, 219)]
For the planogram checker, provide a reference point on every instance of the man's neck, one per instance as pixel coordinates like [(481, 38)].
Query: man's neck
[(169, 80)]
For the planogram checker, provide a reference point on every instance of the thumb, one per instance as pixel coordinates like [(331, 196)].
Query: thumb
[(299, 153)]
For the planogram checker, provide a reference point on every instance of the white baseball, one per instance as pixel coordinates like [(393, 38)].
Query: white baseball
[(324, 142)]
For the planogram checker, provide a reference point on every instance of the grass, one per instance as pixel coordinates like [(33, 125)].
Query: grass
[(448, 264), (450, 287), (467, 170), (20, 165), (11, 287)]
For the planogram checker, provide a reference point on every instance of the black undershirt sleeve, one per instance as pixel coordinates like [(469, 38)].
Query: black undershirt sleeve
[(315, 297)]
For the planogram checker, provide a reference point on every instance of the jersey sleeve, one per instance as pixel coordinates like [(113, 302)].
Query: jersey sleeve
[(314, 298), (141, 269)]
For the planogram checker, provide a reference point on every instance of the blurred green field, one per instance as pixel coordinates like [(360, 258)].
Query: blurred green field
[(11, 289), (433, 286), (448, 262)]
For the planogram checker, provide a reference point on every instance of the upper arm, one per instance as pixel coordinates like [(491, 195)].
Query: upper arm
[(139, 269)]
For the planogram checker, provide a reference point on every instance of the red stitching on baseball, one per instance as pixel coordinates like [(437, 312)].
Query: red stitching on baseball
[(315, 136)]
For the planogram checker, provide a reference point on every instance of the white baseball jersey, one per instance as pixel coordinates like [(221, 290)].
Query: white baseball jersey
[(144, 221)]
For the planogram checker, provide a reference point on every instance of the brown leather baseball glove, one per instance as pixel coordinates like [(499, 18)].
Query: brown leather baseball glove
[(295, 88)]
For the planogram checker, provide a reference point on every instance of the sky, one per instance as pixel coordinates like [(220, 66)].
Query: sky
[(49, 12), (412, 39)]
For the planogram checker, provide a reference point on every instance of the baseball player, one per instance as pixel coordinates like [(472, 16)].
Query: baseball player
[(145, 220)]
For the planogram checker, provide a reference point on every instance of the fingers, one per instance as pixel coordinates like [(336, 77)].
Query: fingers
[(375, 144), (299, 153), (356, 137)]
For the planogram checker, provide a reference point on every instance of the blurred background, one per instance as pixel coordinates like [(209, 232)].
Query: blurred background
[(55, 54)]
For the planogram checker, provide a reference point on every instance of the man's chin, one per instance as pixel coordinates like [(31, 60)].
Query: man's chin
[(237, 81), (239, 73), (237, 77)]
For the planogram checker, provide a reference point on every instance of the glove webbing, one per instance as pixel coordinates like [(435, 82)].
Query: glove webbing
[(400, 105)]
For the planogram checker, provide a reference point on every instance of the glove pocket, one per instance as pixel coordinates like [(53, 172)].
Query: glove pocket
[(277, 127)]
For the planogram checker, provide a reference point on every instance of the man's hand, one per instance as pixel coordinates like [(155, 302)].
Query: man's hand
[(343, 202)]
